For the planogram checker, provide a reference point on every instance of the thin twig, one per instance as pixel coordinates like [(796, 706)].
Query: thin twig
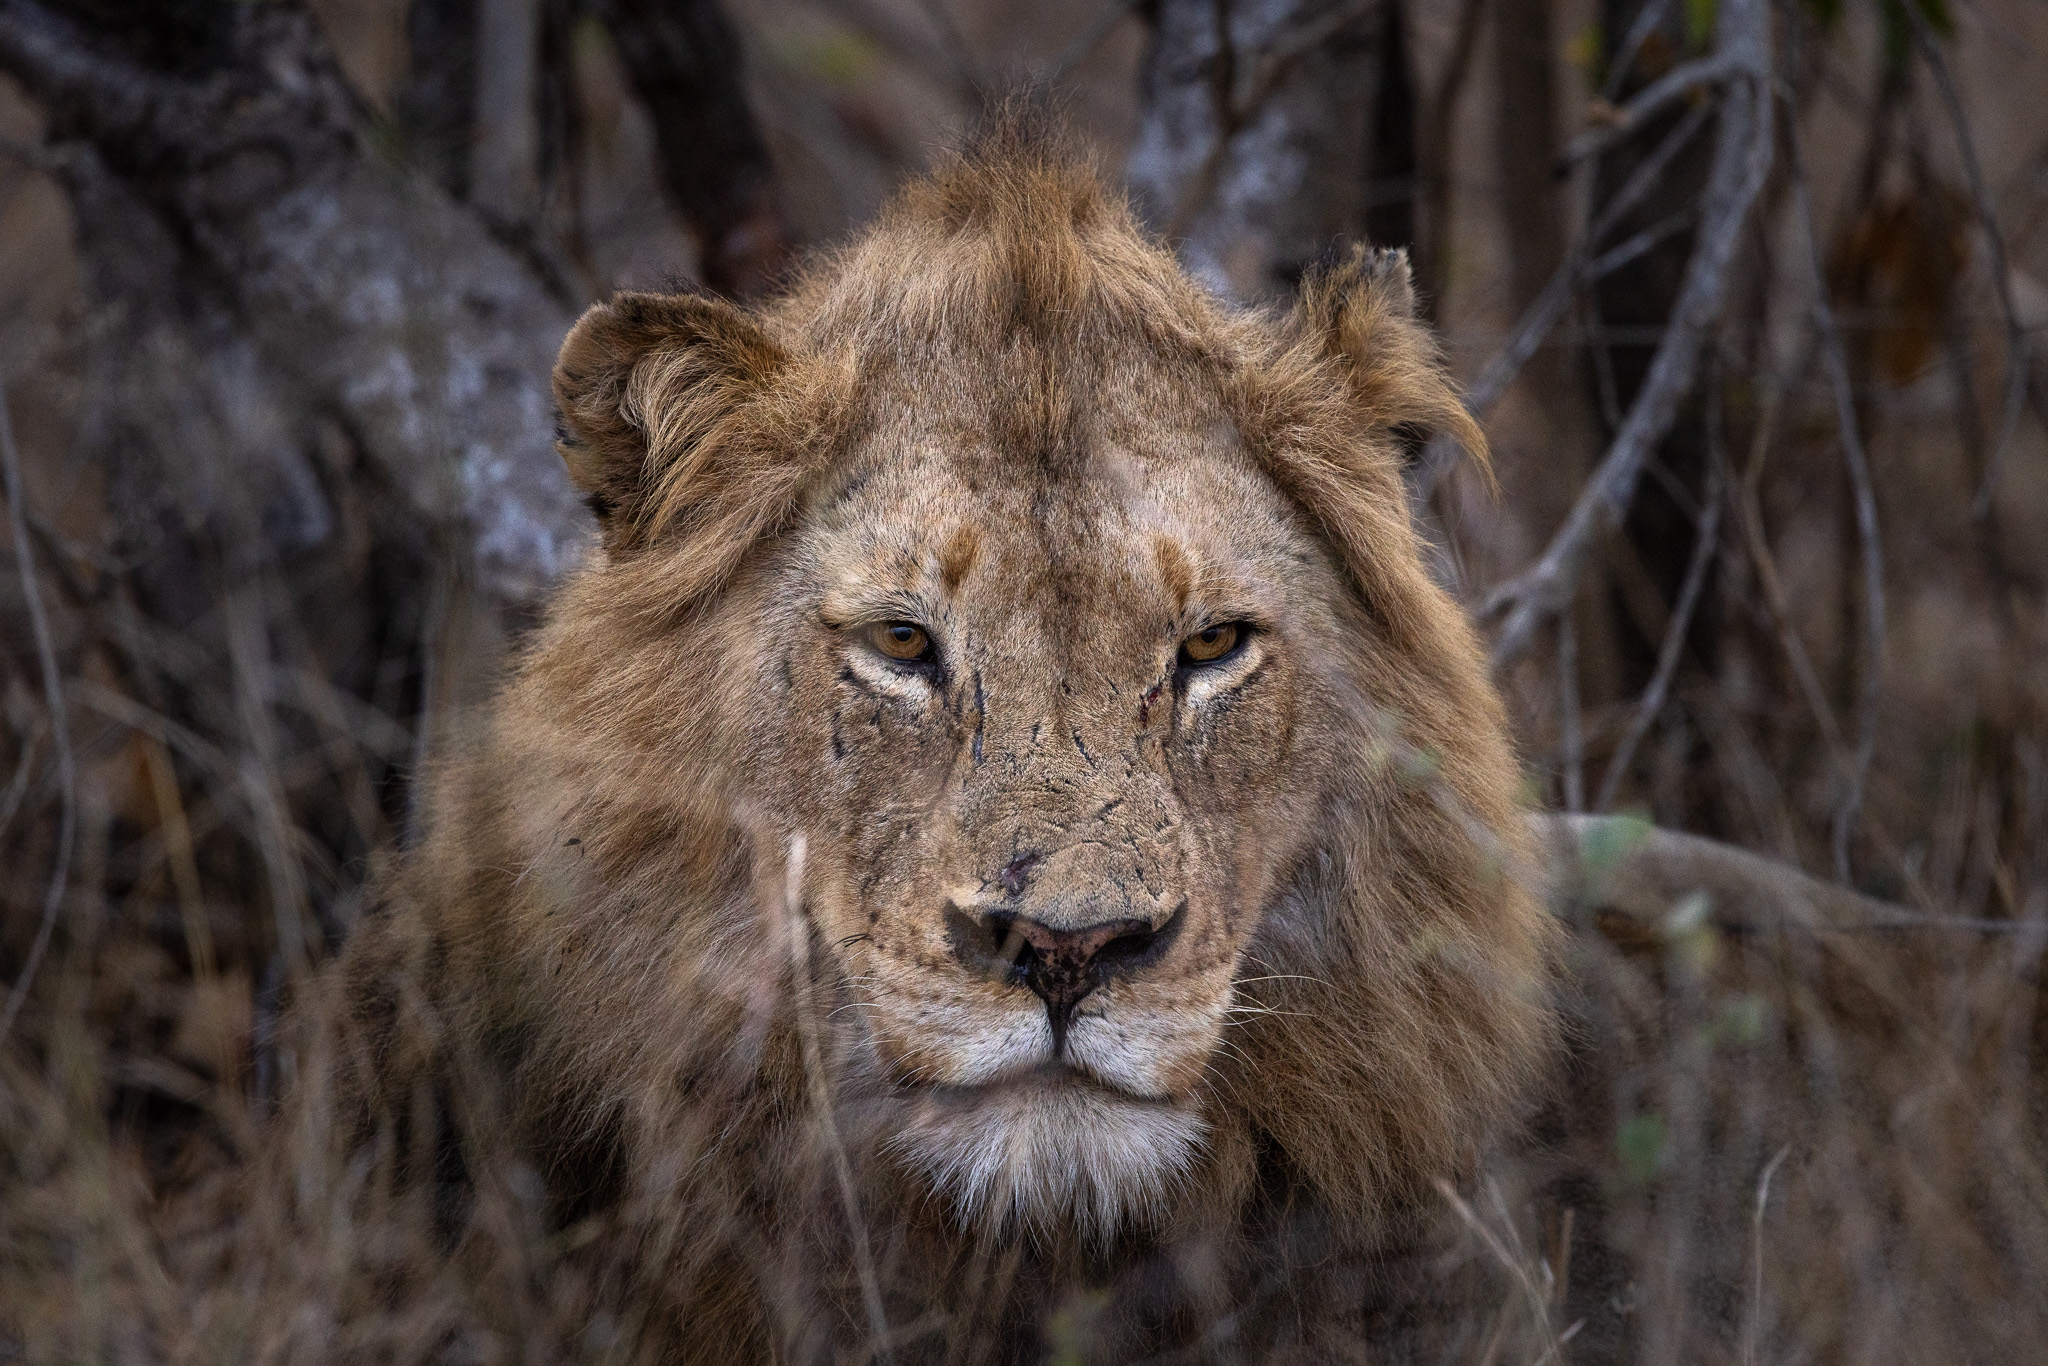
[(60, 725), (799, 931), (1572, 742), (1742, 160), (2018, 351), (1539, 1302), (1756, 1292), (1549, 307), (1706, 540), (17, 786), (1632, 42), (1776, 601), (1559, 1343), (1434, 151), (1674, 85), (1639, 244), (1835, 358)]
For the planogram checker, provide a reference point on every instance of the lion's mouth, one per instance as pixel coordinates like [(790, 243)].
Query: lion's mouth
[(1050, 1076)]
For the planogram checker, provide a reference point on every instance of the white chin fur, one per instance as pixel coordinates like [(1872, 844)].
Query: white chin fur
[(1049, 1153)]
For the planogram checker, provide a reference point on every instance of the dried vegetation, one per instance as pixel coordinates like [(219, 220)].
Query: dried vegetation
[(1769, 419)]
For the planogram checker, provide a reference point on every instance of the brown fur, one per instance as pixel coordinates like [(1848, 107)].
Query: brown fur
[(682, 905)]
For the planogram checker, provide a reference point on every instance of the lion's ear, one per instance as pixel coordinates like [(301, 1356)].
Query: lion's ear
[(1362, 309), (643, 384)]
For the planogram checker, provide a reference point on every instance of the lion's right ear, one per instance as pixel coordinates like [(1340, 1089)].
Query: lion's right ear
[(645, 384)]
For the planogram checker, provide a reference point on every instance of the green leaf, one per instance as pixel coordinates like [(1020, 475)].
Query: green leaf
[(1742, 1021), (1938, 18), (1641, 1145), (1896, 24), (1827, 13), (1699, 23), (1607, 842)]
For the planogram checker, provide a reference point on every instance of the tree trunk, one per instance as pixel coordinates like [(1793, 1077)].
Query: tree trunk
[(1258, 141), (685, 63), (349, 290), (436, 105)]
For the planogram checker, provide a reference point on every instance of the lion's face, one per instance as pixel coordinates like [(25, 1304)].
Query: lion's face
[(1062, 736), (1061, 640)]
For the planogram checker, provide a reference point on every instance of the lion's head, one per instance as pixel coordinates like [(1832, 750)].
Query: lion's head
[(1058, 638)]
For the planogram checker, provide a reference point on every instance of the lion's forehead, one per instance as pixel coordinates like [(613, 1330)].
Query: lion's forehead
[(1103, 530)]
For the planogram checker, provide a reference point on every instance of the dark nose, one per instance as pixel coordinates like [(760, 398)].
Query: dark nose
[(1060, 965)]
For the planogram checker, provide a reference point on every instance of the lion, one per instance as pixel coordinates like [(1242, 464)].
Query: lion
[(1004, 849)]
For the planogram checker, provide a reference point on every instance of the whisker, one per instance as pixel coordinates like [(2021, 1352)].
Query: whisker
[(1253, 1011)]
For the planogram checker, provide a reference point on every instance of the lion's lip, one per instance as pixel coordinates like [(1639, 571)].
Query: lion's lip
[(1047, 1075)]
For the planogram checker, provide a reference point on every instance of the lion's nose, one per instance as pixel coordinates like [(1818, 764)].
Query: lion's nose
[(1060, 964)]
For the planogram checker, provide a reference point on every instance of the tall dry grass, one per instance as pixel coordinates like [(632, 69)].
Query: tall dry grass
[(1766, 1144)]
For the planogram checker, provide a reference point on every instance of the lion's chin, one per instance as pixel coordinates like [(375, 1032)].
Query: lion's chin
[(1051, 1152)]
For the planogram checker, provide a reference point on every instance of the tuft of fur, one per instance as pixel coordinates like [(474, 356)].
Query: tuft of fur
[(689, 913), (1048, 1160)]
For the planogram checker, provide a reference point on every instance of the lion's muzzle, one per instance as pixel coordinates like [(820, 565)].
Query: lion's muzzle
[(1059, 964)]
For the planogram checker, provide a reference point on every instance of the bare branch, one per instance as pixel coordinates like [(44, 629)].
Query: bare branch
[(1647, 19), (1630, 868), (1679, 83), (1836, 360), (1573, 740), (1434, 152), (1249, 96), (2018, 350), (1639, 244), (1705, 543), (1292, 47), (60, 725), (1544, 313), (1742, 160), (685, 63), (1768, 579), (504, 155)]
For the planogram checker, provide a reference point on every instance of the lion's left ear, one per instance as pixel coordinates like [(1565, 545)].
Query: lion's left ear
[(649, 387), (1362, 309)]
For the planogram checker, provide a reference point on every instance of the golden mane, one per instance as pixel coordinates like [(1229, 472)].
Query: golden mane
[(681, 915)]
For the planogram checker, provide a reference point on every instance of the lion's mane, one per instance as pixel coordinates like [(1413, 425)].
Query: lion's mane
[(600, 950)]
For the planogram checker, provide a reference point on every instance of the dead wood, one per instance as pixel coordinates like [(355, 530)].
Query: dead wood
[(326, 277)]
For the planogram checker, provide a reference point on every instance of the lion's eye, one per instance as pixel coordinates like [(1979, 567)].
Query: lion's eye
[(1212, 644), (901, 640)]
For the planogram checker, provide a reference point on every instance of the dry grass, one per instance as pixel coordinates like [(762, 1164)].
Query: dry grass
[(1768, 1145)]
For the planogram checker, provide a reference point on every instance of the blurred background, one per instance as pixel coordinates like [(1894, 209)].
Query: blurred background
[(1751, 296)]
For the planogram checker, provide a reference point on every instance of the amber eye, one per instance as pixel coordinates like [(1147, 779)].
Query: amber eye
[(1211, 643), (900, 640)]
